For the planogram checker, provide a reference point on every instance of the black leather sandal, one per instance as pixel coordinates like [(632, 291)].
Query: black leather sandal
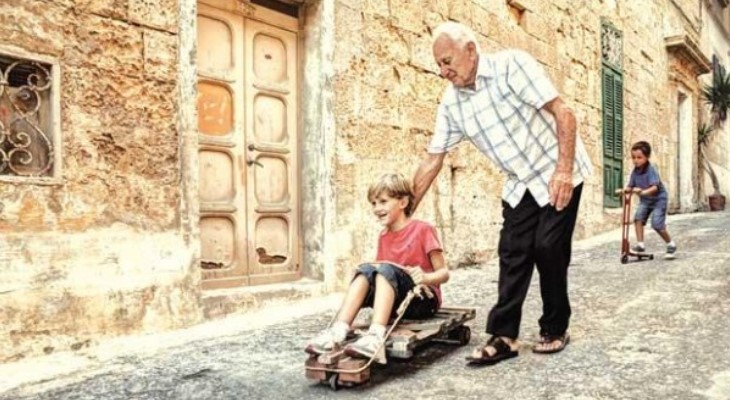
[(564, 340), (503, 352)]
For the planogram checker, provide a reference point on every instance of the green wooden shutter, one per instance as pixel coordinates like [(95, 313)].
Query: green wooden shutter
[(612, 136), (618, 124)]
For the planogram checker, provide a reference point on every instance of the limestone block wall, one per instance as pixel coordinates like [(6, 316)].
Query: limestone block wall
[(716, 41), (104, 251), (386, 91)]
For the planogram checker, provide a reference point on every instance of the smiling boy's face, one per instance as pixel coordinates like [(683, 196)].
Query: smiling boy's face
[(638, 158), (389, 210)]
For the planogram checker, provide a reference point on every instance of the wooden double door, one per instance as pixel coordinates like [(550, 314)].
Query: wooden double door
[(248, 152)]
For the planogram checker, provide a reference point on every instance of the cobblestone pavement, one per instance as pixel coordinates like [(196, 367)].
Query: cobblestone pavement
[(651, 330)]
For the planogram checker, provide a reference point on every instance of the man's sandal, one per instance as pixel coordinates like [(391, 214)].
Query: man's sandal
[(503, 352), (564, 339)]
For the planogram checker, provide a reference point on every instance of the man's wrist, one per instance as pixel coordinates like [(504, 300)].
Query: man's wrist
[(562, 176)]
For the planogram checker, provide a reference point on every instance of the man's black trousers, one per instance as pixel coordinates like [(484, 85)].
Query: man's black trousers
[(534, 236)]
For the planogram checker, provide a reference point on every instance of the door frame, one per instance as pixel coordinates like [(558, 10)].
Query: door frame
[(256, 12), (685, 150)]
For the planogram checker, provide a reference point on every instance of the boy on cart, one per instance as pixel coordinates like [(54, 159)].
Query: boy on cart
[(409, 257)]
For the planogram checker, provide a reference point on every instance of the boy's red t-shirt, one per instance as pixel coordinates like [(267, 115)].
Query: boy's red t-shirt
[(411, 246)]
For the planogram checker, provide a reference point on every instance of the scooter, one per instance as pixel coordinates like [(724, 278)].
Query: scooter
[(626, 222)]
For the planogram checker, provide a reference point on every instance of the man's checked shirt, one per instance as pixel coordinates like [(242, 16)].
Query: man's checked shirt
[(502, 117)]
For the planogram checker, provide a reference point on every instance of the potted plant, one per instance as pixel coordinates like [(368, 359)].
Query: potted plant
[(716, 200), (717, 96)]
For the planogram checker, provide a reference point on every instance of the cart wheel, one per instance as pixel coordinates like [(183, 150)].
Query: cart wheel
[(624, 259), (461, 334), (334, 385), (464, 335), (651, 256)]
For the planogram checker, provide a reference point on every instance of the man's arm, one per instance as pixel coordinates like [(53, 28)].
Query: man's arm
[(425, 174), (561, 183)]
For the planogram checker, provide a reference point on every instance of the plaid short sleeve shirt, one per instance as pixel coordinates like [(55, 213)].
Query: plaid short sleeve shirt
[(502, 117)]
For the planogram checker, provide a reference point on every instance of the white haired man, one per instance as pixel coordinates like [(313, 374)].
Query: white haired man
[(506, 105)]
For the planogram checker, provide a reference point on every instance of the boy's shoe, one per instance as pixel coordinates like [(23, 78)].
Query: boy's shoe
[(671, 249), (367, 347), (326, 341), (638, 249)]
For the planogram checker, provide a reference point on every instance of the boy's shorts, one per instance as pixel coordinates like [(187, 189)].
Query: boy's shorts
[(658, 210), (402, 284)]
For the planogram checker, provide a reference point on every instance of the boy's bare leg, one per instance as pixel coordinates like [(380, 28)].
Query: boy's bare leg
[(664, 234), (384, 299), (353, 300), (639, 231)]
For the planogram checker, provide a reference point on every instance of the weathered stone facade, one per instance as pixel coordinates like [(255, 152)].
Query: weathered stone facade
[(386, 90), (114, 248), (716, 41), (105, 251)]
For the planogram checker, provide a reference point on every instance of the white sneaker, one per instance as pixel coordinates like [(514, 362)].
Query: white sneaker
[(671, 249), (368, 346), (326, 341), (638, 248)]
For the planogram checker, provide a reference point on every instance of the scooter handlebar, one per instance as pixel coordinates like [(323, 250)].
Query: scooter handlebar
[(628, 190)]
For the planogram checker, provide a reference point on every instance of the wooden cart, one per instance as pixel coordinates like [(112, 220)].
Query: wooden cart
[(337, 369)]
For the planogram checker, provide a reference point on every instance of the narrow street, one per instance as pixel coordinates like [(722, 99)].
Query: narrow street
[(651, 330)]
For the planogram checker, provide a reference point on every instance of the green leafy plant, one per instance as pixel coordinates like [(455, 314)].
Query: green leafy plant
[(704, 135), (717, 96), (704, 132)]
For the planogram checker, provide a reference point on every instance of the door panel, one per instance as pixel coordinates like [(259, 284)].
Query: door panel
[(247, 104), (224, 251), (216, 44), (271, 105), (215, 108)]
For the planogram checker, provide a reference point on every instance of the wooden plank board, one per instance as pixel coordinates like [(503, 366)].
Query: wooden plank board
[(404, 339)]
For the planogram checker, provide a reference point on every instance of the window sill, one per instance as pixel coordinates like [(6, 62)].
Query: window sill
[(20, 180)]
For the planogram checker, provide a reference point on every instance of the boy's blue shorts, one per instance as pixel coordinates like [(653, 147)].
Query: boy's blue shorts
[(658, 210), (402, 284)]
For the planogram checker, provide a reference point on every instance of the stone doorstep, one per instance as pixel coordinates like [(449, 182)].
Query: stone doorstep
[(218, 303)]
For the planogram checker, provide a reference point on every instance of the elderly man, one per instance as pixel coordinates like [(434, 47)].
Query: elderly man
[(505, 104)]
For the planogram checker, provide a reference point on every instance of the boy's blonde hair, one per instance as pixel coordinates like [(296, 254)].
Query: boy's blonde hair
[(396, 186)]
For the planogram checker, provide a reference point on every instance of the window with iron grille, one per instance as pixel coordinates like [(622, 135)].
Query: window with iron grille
[(29, 127), (613, 112)]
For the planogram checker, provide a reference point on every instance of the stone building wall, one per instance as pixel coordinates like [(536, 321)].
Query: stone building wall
[(716, 41), (113, 248), (105, 251), (386, 91)]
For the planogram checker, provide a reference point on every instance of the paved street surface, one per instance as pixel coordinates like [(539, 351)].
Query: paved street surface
[(651, 330)]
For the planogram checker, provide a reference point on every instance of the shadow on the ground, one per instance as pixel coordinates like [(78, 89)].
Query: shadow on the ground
[(425, 357)]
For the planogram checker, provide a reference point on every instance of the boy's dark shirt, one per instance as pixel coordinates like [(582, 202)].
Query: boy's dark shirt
[(645, 178)]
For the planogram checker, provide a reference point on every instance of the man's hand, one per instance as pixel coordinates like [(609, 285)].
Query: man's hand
[(416, 274), (560, 189)]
